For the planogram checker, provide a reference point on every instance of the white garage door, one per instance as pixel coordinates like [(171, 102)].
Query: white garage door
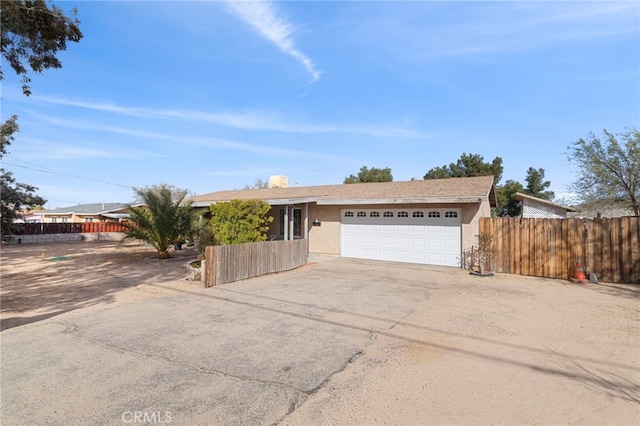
[(429, 236)]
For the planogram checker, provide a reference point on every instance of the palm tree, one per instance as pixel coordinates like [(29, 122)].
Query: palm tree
[(165, 219)]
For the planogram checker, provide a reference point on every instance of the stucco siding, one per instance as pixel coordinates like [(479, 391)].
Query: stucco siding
[(324, 239)]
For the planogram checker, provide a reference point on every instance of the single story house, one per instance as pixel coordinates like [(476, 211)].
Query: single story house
[(95, 212), (419, 221), (533, 207), (605, 208)]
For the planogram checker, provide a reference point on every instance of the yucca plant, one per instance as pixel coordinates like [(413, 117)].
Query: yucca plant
[(164, 219)]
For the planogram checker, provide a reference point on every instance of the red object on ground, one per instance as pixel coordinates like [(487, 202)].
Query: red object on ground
[(579, 276)]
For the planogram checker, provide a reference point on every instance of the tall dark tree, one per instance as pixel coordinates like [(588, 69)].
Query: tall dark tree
[(468, 165), (32, 35), (507, 204), (15, 196), (608, 168), (536, 185), (370, 175)]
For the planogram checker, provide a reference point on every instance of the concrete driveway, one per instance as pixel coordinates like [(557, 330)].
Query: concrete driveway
[(335, 342)]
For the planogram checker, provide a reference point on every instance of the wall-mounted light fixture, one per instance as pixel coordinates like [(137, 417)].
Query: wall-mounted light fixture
[(316, 223)]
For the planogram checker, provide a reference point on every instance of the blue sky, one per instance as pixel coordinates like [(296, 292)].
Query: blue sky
[(209, 96)]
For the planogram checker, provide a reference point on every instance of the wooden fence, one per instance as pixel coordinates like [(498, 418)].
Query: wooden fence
[(608, 247), (66, 228), (225, 264)]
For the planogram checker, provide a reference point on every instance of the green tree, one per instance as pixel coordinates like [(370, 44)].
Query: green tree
[(507, 204), (240, 221), (608, 168), (370, 175), (468, 165), (162, 221), (32, 34), (15, 196), (536, 185)]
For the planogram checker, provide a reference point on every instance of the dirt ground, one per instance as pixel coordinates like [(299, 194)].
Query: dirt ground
[(39, 281)]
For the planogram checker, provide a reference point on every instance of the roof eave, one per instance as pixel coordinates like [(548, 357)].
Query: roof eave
[(413, 200), (271, 202)]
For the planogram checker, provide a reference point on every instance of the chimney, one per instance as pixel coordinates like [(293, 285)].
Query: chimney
[(278, 181)]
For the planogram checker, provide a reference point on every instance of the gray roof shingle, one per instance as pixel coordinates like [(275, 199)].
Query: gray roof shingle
[(94, 208)]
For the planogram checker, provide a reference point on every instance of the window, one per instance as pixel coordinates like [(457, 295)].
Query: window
[(403, 214), (348, 214), (65, 219), (362, 214), (434, 214), (451, 214), (88, 219), (374, 214), (418, 214), (54, 219), (387, 214)]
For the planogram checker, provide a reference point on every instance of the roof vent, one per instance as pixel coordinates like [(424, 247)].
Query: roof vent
[(278, 181)]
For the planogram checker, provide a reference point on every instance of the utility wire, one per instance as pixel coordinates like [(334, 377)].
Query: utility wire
[(43, 169)]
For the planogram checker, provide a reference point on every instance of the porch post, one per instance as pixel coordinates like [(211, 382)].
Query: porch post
[(286, 223), (291, 236), (306, 221)]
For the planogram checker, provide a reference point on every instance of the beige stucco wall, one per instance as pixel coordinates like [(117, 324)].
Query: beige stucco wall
[(326, 237)]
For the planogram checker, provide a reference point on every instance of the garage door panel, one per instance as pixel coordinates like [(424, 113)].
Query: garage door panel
[(451, 244), (403, 241), (428, 240), (418, 242), (403, 255)]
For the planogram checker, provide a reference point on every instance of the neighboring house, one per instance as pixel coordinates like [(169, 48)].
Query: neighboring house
[(28, 217), (605, 208), (96, 212), (533, 207), (420, 221)]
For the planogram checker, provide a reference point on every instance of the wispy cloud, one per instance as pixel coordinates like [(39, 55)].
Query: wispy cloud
[(265, 18), (413, 33), (208, 142), (249, 121), (75, 150)]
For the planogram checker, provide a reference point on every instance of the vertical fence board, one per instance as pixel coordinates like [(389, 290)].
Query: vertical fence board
[(634, 246), (515, 249), (625, 250), (616, 251), (588, 245), (596, 263)]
